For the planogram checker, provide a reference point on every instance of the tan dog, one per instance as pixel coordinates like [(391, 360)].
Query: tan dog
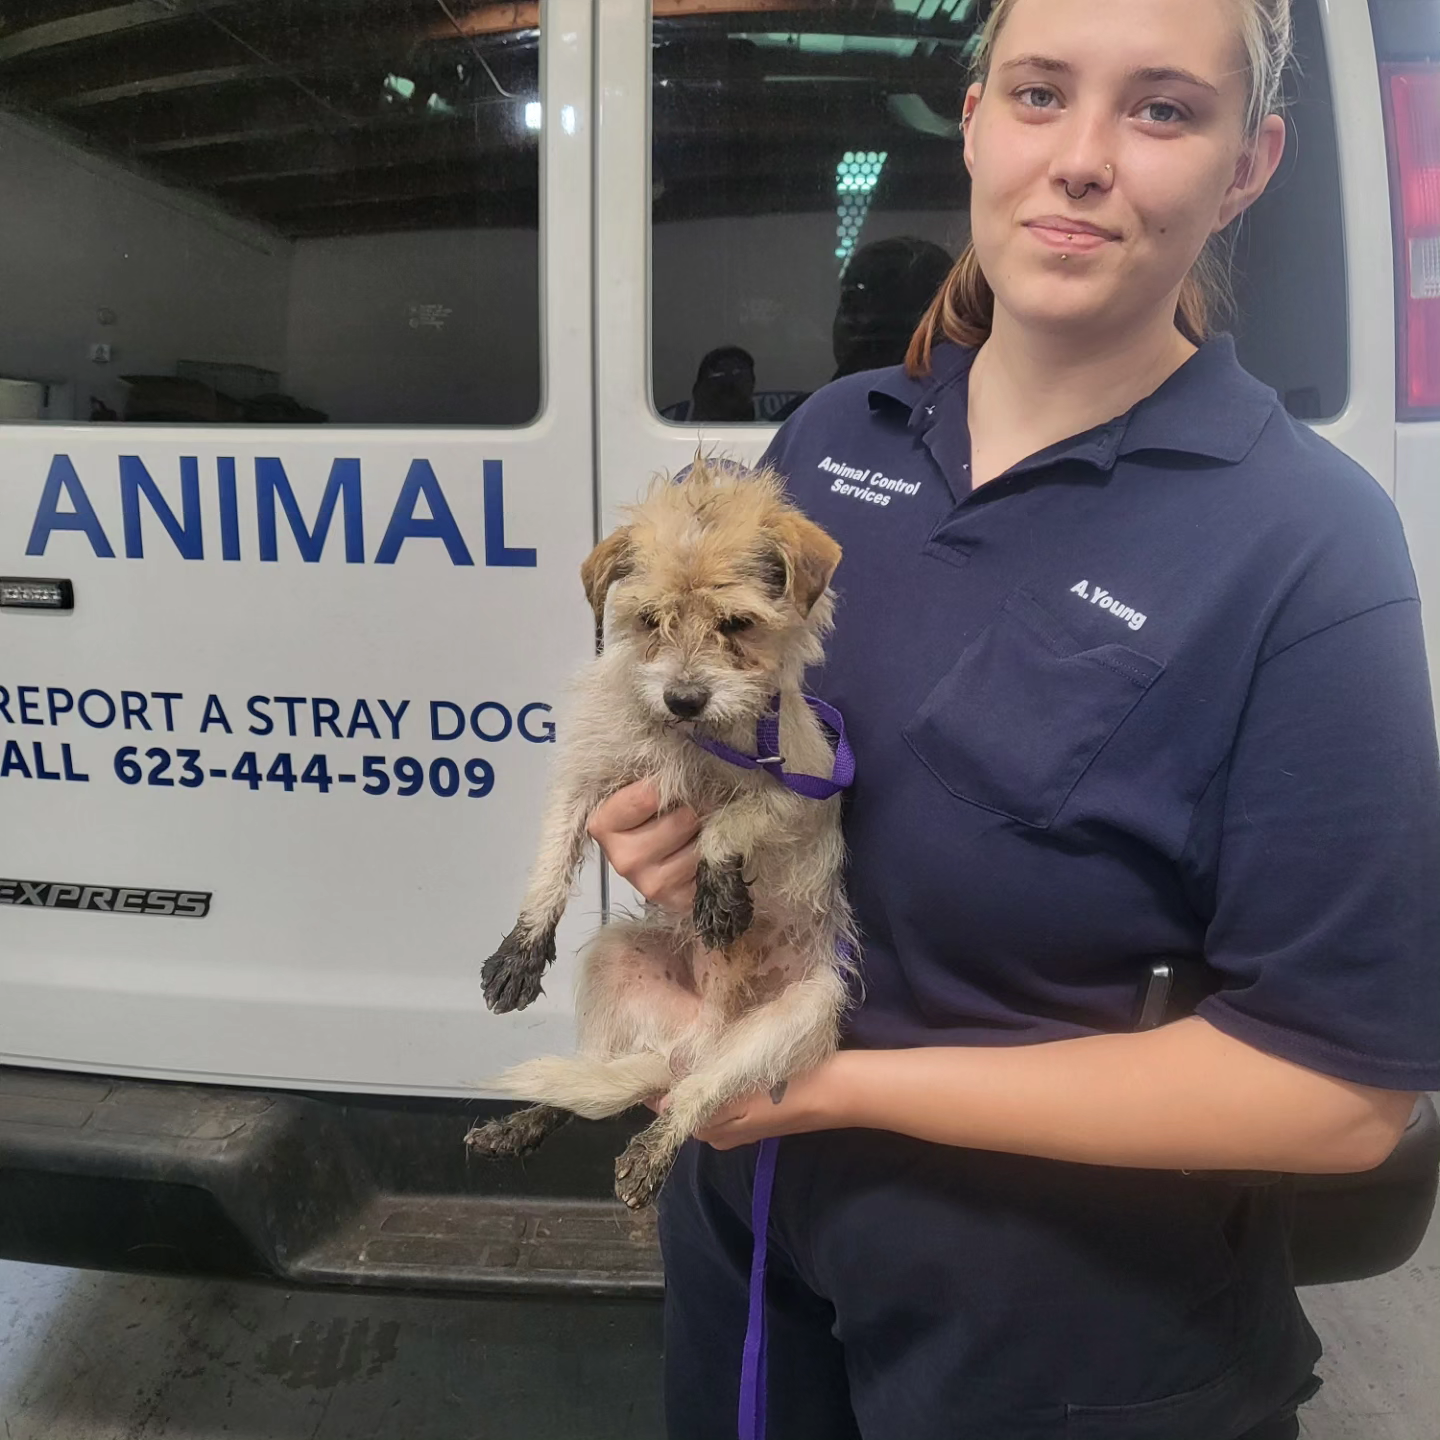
[(718, 596)]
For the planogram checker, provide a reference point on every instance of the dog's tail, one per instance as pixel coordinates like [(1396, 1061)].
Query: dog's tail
[(587, 1086)]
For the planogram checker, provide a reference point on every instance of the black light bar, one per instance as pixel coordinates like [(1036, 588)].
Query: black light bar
[(23, 593)]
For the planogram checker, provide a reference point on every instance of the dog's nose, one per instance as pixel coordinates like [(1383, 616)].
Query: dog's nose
[(685, 702)]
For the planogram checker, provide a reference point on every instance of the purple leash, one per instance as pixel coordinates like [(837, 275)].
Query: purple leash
[(752, 1363), (751, 1422)]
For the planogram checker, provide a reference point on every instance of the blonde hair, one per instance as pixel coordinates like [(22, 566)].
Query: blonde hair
[(964, 308)]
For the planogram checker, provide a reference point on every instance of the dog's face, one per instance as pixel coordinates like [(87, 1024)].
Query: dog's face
[(716, 590)]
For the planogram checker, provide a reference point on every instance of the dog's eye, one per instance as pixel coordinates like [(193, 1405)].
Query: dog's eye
[(734, 624), (649, 619)]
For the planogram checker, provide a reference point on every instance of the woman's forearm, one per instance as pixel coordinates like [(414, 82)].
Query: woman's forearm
[(1184, 1096)]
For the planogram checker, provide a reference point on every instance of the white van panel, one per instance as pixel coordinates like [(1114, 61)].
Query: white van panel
[(343, 944), (1366, 430), (1417, 495)]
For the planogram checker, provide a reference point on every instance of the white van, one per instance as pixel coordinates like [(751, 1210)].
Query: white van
[(330, 336)]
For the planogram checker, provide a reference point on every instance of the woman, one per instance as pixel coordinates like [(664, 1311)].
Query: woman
[(1133, 669)]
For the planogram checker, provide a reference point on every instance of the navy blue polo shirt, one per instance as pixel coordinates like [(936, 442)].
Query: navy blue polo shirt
[(1157, 691)]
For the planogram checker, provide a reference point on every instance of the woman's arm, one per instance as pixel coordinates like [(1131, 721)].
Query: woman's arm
[(1182, 1097)]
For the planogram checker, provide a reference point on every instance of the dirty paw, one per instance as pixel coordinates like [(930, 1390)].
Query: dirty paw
[(511, 976), (520, 1133), (639, 1174), (723, 908)]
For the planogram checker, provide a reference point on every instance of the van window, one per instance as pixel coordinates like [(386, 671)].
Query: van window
[(809, 193), (271, 213)]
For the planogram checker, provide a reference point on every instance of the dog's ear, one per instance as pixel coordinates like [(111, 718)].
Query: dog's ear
[(805, 559), (611, 560)]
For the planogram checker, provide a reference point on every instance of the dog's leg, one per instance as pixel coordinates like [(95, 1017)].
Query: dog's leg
[(723, 909), (586, 1085), (511, 978), (648, 1158), (519, 1133), (634, 1001), (794, 1032)]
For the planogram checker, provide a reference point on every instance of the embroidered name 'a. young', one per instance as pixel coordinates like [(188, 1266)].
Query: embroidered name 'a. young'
[(1106, 601)]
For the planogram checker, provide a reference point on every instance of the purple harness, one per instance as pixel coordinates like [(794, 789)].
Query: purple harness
[(767, 754), (751, 1424)]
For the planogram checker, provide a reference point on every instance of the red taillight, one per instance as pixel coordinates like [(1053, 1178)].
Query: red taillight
[(1412, 96)]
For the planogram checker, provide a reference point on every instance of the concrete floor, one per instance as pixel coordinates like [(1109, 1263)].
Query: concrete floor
[(87, 1356)]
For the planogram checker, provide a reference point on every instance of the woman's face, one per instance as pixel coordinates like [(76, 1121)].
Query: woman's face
[(1155, 90)]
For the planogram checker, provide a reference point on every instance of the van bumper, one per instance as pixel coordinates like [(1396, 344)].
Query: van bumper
[(379, 1192), (307, 1190)]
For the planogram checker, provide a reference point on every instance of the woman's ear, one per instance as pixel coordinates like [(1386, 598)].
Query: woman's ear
[(611, 560), (809, 557), (1254, 170), (967, 123)]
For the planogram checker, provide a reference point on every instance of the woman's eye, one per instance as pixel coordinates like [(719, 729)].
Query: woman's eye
[(1041, 95), (1175, 114), (734, 624)]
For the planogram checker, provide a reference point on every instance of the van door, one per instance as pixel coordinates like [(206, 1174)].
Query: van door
[(305, 294)]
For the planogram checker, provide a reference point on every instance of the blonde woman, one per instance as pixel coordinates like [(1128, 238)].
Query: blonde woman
[(1133, 670)]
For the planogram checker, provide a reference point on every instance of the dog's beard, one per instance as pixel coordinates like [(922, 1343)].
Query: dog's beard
[(734, 698)]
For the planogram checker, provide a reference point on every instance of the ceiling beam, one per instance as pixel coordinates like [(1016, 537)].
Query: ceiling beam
[(486, 20), (469, 212), (519, 174), (354, 152), (497, 19), (671, 9), (111, 20), (167, 85)]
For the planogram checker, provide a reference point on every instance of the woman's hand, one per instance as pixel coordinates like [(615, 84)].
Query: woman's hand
[(816, 1100), (656, 853)]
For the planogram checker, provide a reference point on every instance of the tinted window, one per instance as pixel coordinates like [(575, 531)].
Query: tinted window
[(265, 211), (809, 192), (1406, 29), (1292, 323)]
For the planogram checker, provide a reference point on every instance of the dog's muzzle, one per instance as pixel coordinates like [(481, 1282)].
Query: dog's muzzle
[(685, 702)]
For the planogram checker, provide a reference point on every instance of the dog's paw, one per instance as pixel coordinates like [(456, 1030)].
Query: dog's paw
[(520, 1133), (640, 1172), (723, 908), (511, 977)]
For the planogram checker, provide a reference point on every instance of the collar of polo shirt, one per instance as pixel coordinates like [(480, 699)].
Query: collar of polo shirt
[(1210, 408)]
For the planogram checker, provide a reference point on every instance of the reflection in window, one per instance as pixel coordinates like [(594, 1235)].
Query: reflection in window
[(809, 188), (856, 177), (269, 212)]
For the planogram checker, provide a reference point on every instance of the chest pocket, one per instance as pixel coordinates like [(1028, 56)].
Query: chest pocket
[(1024, 711)]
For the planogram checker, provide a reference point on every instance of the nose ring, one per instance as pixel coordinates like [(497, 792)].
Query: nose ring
[(1073, 195)]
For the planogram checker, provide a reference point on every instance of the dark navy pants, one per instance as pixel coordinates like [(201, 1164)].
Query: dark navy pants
[(922, 1292)]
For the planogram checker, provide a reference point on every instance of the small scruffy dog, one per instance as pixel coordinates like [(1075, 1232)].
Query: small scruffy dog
[(719, 598)]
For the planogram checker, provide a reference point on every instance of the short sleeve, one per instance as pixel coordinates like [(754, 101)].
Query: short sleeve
[(775, 451), (1317, 849)]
